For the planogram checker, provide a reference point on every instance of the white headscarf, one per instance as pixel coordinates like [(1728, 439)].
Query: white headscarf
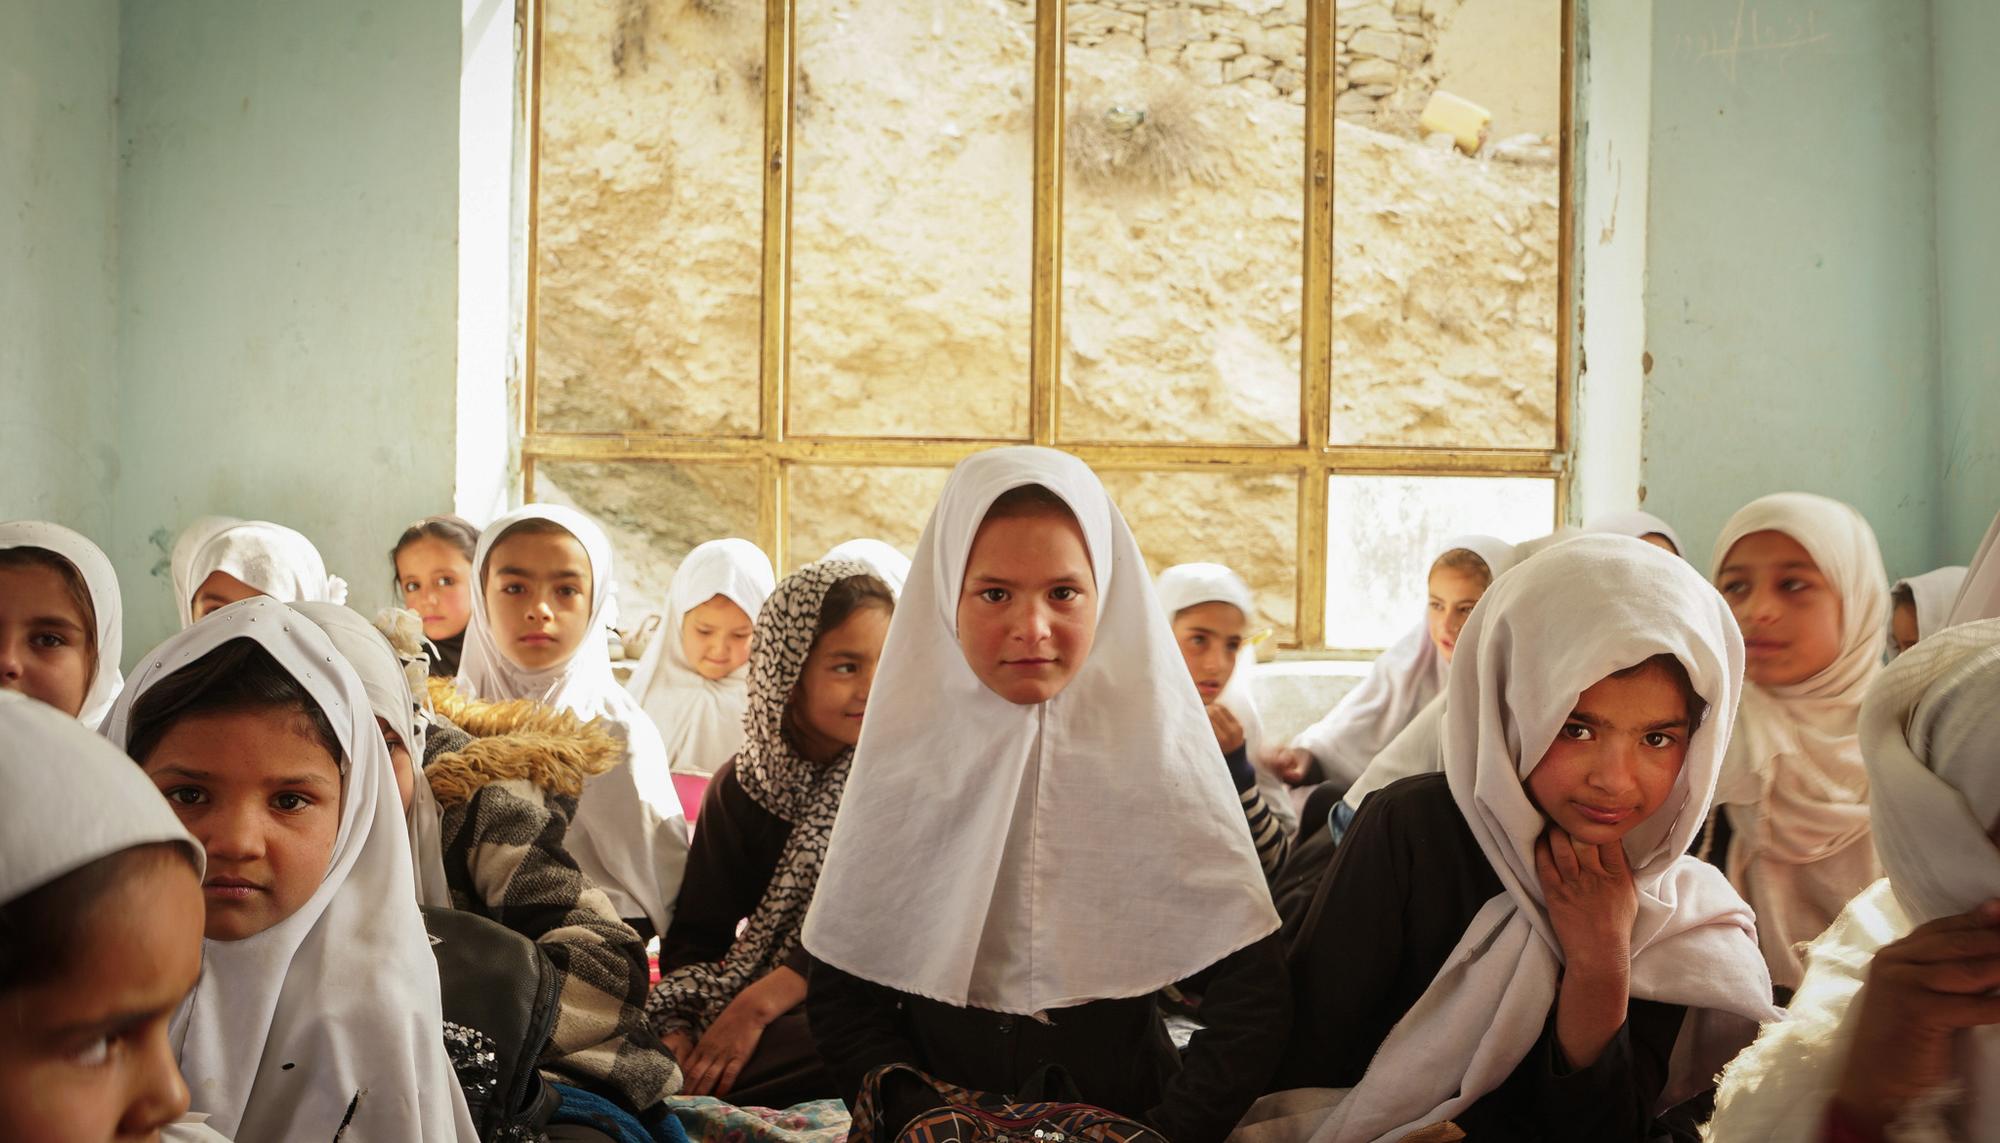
[(629, 836), (701, 719), (1793, 779), (1189, 585), (102, 583), (1542, 635), (1980, 597), (893, 566), (385, 675), (346, 988), (1637, 525), (186, 545), (272, 558), (1404, 679), (1933, 594), (985, 853)]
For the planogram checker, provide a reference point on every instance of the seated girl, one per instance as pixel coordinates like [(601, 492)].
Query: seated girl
[(94, 869), (1209, 609), (1640, 526), (1804, 578), (1919, 605), (693, 679), (545, 579), (1036, 835), (1517, 945), (492, 844), (318, 1007), (433, 562), (61, 622), (729, 1001), (1406, 677), (1892, 1034), (244, 558)]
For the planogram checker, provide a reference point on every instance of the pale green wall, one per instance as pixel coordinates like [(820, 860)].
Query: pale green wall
[(288, 220), (58, 260), (1968, 206), (1792, 271)]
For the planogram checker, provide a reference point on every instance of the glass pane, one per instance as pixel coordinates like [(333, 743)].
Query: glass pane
[(833, 504), (1446, 223), (1247, 520), (912, 217), (1384, 531), (1184, 218), (649, 251), (655, 513)]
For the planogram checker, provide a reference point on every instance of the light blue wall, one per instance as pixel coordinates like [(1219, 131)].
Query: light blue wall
[(288, 266), (58, 260), (1968, 207), (1792, 271)]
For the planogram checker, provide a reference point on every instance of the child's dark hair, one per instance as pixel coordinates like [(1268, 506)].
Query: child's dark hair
[(72, 579), (1901, 594), (239, 675), (40, 930), (1028, 500), (454, 530), (532, 526), (1674, 669), (848, 596)]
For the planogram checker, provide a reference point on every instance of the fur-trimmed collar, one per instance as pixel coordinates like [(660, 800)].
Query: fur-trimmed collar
[(519, 739)]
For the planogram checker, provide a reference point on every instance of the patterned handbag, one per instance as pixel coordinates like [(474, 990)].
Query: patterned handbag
[(963, 1116)]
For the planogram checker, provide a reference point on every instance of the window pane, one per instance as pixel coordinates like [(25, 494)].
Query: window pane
[(1183, 219), (1247, 520), (912, 216), (833, 504), (648, 253), (1384, 531), (655, 513), (1445, 265)]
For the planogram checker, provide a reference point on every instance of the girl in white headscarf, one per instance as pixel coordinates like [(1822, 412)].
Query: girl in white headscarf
[(1980, 597), (1920, 605), (882, 558), (1640, 526), (1894, 1032), (93, 866), (61, 620), (245, 558), (1407, 676), (181, 562), (1038, 831), (318, 1008), (1804, 578), (694, 678), (1520, 945), (538, 633)]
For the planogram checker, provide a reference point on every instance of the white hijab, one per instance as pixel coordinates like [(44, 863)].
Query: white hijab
[(892, 565), (985, 853), (1404, 680), (1980, 597), (1933, 594), (701, 719), (1793, 778), (1541, 636), (272, 558), (1189, 585), (629, 836), (186, 545), (385, 675), (101, 581), (346, 988), (1637, 525)]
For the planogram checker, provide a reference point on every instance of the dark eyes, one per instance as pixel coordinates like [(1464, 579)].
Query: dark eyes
[(291, 803), (187, 795), (48, 641), (994, 595), (1659, 740), (1065, 594), (1577, 732)]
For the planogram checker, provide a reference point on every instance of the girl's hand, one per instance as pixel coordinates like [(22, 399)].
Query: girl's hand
[(1921, 991), (1288, 762), (712, 1068), (1228, 731), (1591, 899)]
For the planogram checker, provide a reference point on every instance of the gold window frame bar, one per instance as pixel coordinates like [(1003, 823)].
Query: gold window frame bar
[(774, 451)]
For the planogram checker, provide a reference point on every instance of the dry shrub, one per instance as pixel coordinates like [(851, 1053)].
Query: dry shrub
[(1153, 131)]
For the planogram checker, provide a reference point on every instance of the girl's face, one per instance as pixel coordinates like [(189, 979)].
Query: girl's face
[(1210, 635), (1454, 592), (1615, 759), (1903, 625), (832, 694), (220, 590), (86, 1055), (45, 642), (436, 581), (1789, 612), (538, 598), (715, 637), (399, 755), (261, 794), (1027, 611)]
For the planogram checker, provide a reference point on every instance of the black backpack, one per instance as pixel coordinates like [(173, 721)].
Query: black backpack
[(501, 1000)]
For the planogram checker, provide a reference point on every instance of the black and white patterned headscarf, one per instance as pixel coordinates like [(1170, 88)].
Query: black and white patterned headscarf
[(800, 791)]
